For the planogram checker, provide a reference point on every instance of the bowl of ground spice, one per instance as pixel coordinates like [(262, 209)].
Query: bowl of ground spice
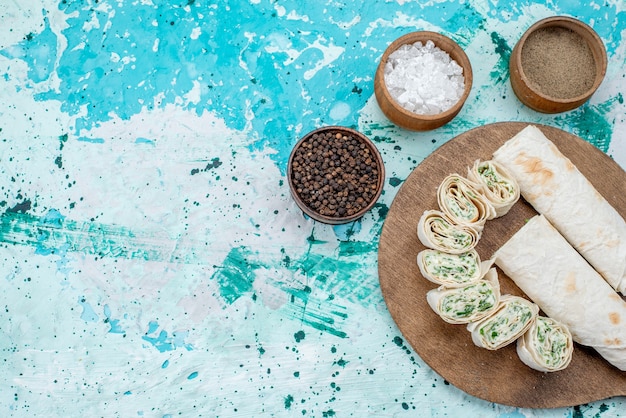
[(423, 80), (557, 64), (335, 174)]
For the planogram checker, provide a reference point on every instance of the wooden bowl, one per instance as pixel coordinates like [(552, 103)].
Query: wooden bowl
[(405, 118), (530, 92), (371, 159)]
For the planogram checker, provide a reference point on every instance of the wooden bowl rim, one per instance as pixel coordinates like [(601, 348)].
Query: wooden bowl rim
[(333, 220), (437, 38), (582, 29)]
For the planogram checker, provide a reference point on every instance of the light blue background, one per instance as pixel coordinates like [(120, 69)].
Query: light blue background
[(152, 261)]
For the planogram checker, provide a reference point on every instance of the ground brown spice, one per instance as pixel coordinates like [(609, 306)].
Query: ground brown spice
[(558, 62)]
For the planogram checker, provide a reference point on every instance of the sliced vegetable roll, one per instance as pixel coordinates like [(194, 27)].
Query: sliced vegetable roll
[(547, 346), (507, 323), (460, 199), (452, 270), (436, 231), (496, 184), (462, 305)]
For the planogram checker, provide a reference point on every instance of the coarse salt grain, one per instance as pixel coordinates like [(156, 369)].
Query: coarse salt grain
[(424, 79)]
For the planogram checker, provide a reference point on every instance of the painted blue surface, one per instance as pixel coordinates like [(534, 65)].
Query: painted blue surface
[(152, 260)]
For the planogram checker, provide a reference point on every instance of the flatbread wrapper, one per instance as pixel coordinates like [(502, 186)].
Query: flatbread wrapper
[(436, 231), (547, 346), (558, 190), (496, 184), (470, 303), (555, 276)]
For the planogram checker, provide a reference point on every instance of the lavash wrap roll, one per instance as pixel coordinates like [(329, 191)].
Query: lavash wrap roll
[(511, 319), (452, 270), (547, 346), (462, 305), (555, 276), (558, 190), (498, 186), (462, 202), (436, 231)]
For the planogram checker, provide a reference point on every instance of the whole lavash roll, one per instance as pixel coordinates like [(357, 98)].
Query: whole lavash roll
[(558, 190), (554, 275)]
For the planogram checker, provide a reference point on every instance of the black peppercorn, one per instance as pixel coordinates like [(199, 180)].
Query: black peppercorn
[(334, 174)]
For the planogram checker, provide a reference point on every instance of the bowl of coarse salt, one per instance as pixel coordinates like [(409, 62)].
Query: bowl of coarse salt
[(422, 81), (557, 64)]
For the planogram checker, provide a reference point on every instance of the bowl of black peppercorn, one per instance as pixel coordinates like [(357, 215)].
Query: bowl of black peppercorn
[(336, 174)]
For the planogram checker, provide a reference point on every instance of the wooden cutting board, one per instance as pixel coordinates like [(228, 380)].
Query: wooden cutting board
[(496, 376)]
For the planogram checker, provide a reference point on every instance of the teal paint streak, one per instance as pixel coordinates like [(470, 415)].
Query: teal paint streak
[(609, 24), (356, 248), (463, 23), (53, 234), (166, 61), (163, 341), (313, 312), (302, 294), (39, 51), (288, 401), (322, 315), (590, 122), (323, 323), (236, 275), (88, 314), (144, 141), (500, 73), (114, 324), (514, 414), (346, 231), (111, 86), (345, 276)]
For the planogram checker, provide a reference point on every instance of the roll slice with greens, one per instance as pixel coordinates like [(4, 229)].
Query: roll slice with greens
[(460, 199), (452, 270), (547, 346), (496, 184), (507, 323), (436, 231), (462, 305)]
